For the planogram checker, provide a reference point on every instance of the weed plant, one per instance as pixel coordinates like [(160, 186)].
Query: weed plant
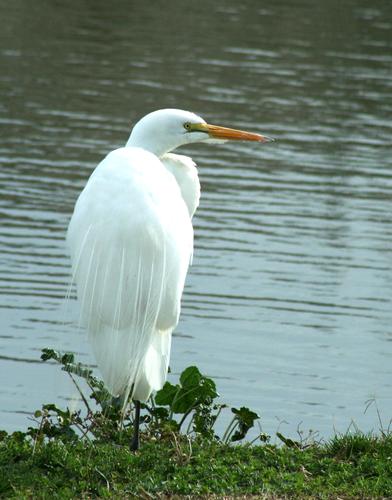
[(85, 453)]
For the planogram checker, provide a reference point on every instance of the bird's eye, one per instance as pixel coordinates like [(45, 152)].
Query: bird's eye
[(187, 126)]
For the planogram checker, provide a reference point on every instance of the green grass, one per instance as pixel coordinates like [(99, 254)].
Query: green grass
[(349, 466), (85, 453)]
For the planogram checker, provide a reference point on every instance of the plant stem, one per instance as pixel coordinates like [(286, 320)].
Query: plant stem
[(228, 428), (80, 392)]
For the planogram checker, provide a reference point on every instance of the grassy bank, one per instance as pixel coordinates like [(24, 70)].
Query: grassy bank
[(85, 453), (347, 467)]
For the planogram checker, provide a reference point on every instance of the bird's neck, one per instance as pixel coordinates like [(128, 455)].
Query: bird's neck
[(158, 146)]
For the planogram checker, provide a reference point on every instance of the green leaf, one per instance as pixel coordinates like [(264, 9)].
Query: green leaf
[(67, 358), (264, 438), (208, 388), (290, 443), (245, 421), (77, 369), (166, 395), (51, 407), (160, 413), (185, 400), (19, 436), (245, 416), (190, 377), (49, 354), (196, 389)]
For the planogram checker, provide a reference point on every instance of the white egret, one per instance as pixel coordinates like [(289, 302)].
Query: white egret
[(131, 242)]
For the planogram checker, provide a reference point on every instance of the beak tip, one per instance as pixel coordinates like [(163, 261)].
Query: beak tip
[(265, 139)]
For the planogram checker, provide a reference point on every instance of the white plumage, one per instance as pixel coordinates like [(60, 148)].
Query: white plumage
[(131, 239), (131, 242)]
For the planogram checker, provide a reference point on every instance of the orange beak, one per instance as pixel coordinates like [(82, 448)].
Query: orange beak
[(225, 133)]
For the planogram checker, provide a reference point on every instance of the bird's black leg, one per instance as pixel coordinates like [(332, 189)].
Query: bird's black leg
[(136, 422)]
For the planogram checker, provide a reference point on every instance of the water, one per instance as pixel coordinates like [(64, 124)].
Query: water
[(288, 303)]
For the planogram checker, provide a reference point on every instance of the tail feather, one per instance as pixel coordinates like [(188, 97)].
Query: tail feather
[(130, 308), (122, 372)]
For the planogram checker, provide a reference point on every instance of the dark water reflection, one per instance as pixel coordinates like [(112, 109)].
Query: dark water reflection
[(289, 299)]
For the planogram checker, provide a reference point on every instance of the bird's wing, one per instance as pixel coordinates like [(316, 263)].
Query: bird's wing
[(185, 172), (130, 239)]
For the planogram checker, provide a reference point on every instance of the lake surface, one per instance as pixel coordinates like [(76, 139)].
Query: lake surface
[(288, 303)]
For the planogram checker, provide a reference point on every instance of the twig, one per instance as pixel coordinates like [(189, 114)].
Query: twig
[(229, 430), (106, 479), (80, 392), (184, 417)]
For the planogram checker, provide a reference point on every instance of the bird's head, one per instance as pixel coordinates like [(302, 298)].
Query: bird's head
[(166, 129)]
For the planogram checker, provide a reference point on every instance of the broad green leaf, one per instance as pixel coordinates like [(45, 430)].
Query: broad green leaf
[(245, 419), (244, 415), (166, 395), (190, 377), (185, 399)]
